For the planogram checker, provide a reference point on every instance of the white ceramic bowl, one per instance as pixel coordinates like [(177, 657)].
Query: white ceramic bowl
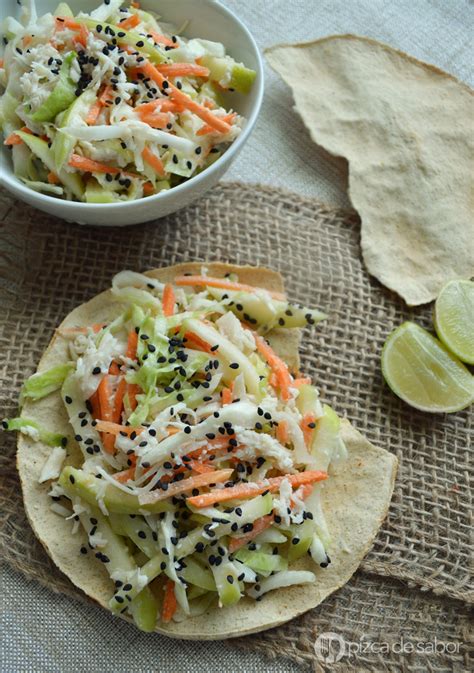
[(208, 19)]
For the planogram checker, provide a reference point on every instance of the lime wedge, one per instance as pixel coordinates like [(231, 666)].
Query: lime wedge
[(454, 318), (421, 370)]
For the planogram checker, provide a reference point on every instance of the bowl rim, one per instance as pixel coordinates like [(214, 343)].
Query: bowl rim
[(9, 178)]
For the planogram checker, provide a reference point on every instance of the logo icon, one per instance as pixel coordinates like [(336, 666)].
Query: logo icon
[(329, 647)]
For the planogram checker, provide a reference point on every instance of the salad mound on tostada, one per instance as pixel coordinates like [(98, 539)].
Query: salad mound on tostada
[(180, 469)]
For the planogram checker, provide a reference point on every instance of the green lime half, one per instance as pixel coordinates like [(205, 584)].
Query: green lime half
[(421, 370), (454, 318)]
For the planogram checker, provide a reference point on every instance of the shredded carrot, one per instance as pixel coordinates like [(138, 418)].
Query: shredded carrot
[(302, 381), (194, 341), (148, 189), (183, 70), (278, 366), (252, 489), (227, 395), (199, 110), (273, 380), (147, 108), (156, 120), (2, 63), (302, 492), (115, 428), (205, 130), (12, 139), (90, 166), (282, 432), (154, 161), (169, 300), (308, 423), (132, 344), (106, 98), (135, 4), (131, 22), (114, 369), (170, 603), (222, 283), (161, 104), (175, 94), (53, 179), (214, 477), (27, 40), (94, 113), (82, 36), (66, 22), (162, 39), (132, 391), (201, 468), (118, 400), (259, 525)]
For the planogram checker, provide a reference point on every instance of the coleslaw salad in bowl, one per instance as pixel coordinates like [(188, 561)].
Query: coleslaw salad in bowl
[(122, 113)]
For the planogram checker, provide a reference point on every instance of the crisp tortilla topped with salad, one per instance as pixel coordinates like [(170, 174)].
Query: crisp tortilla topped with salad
[(113, 105), (177, 466)]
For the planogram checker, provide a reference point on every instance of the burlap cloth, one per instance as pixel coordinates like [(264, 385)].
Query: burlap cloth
[(415, 582)]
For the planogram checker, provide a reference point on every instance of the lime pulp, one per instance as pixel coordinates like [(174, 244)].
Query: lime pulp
[(423, 373), (454, 318)]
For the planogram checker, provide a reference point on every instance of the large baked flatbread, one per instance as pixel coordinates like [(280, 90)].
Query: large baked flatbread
[(355, 498), (406, 129)]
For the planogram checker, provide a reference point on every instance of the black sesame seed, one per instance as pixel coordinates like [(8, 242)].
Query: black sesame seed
[(96, 371), (234, 365), (71, 479)]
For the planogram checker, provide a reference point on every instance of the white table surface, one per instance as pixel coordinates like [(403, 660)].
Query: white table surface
[(41, 632)]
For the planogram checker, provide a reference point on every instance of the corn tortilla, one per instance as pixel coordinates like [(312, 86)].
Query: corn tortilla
[(355, 498), (406, 129)]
